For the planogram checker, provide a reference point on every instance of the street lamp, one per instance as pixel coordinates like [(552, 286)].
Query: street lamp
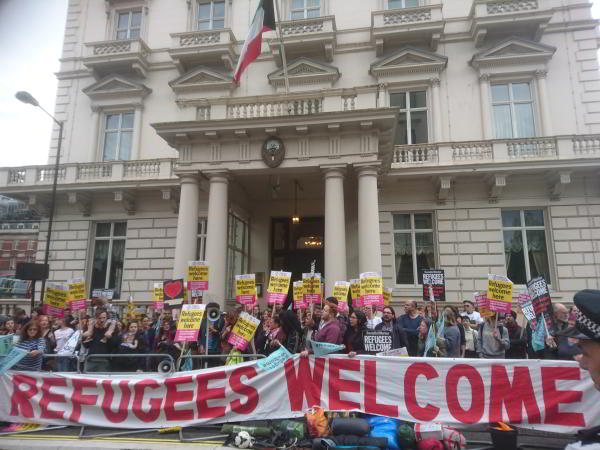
[(27, 98)]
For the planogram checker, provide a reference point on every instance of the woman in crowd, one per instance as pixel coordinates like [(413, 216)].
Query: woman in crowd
[(129, 344), (354, 336), (164, 342), (290, 324), (48, 335), (310, 327), (423, 333), (471, 337), (97, 342), (62, 335), (9, 327), (451, 334), (276, 335), (32, 341)]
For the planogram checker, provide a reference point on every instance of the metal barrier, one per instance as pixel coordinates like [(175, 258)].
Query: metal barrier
[(213, 356), (70, 357), (163, 367)]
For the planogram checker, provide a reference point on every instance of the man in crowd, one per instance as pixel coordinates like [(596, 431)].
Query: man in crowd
[(587, 333), (561, 323), (330, 332), (410, 322), (517, 336), (372, 319), (389, 323), (469, 311)]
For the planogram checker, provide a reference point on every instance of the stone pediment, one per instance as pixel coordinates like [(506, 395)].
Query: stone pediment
[(116, 86), (305, 71), (513, 51), (201, 78), (408, 60)]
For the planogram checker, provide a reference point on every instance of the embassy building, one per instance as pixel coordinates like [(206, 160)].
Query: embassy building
[(462, 135)]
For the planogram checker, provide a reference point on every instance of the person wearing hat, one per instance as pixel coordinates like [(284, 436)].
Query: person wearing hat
[(587, 333)]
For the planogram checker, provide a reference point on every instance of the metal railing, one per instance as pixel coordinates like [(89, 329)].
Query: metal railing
[(145, 356), (205, 358)]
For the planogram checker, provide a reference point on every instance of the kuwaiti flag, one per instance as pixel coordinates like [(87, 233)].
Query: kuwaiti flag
[(264, 20)]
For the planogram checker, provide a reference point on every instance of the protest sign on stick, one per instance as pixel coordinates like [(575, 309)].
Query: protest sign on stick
[(542, 303), (499, 294), (76, 294), (189, 322), (299, 302), (355, 293), (377, 341), (436, 279), (279, 285), (174, 293), (482, 302), (196, 276), (158, 298), (312, 288), (243, 331), (55, 299), (245, 289), (340, 292), (371, 288)]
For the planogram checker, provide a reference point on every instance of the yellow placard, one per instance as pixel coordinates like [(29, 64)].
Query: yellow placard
[(191, 317), (279, 282), (387, 296), (196, 276), (500, 290), (159, 293), (355, 288), (56, 296), (298, 291), (246, 326), (245, 285), (76, 289), (371, 288), (311, 284), (340, 291)]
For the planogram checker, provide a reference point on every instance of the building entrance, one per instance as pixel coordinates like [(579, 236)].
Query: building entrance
[(295, 245)]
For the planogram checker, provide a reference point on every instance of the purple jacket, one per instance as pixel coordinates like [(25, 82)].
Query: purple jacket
[(331, 332)]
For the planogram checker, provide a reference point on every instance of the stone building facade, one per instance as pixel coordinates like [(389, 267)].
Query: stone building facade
[(462, 135)]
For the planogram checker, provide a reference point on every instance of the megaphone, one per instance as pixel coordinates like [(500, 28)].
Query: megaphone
[(165, 366), (213, 312)]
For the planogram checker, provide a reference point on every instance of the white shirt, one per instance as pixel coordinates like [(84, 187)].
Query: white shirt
[(62, 336), (473, 316), (372, 323)]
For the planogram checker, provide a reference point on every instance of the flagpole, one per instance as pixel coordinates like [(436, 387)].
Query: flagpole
[(283, 58)]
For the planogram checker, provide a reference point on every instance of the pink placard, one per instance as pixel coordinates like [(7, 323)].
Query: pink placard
[(357, 302), (238, 342), (499, 306), (186, 335), (300, 304), (312, 298), (373, 300), (53, 311), (246, 299), (78, 305), (158, 306), (197, 286), (275, 297)]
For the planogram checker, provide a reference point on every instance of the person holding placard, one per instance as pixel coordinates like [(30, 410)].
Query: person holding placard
[(96, 342), (31, 340), (493, 340), (330, 331), (389, 323)]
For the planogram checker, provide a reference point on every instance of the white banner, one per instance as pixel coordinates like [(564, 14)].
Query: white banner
[(547, 395)]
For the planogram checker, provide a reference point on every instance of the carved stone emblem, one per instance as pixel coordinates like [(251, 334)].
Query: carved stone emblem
[(273, 152)]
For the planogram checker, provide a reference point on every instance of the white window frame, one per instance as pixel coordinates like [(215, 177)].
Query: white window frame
[(426, 108), (413, 242), (305, 9), (201, 239), (210, 20), (111, 238), (524, 228), (119, 131), (511, 102), (129, 27), (388, 6), (243, 252)]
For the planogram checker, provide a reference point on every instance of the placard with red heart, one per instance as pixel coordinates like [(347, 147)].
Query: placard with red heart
[(173, 289)]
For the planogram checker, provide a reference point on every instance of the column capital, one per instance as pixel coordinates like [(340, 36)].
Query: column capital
[(188, 176), (217, 175), (540, 73), (333, 170), (484, 77), (434, 82), (367, 168)]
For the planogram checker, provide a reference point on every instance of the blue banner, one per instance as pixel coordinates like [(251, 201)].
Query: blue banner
[(275, 359), (6, 343), (538, 340), (14, 356), (324, 348)]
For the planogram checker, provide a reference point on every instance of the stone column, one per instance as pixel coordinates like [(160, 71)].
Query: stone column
[(136, 144), (187, 224), (335, 228), (216, 236), (437, 110), (486, 110), (544, 103), (369, 242)]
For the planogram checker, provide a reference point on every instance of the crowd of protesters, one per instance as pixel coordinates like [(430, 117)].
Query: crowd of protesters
[(463, 334)]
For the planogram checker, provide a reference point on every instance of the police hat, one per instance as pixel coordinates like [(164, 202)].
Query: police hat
[(587, 323)]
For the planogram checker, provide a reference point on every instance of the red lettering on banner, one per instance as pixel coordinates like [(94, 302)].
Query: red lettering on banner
[(138, 398), (204, 393), (235, 381), (422, 414), (337, 385), (304, 383), (123, 408), (79, 398), (475, 412), (371, 405), (48, 397), (20, 399), (174, 396), (553, 397), (513, 397)]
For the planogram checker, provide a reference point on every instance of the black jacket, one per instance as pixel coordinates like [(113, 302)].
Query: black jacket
[(399, 338), (354, 340)]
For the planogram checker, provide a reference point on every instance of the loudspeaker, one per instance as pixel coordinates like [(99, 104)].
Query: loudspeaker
[(213, 312), (31, 271), (165, 366)]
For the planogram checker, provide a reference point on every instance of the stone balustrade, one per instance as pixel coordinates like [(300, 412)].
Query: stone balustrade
[(496, 151), (274, 108), (70, 173)]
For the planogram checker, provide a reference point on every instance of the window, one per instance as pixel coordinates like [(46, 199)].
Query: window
[(304, 9), (237, 251), (109, 254), (413, 246), (129, 24), (397, 4), (201, 240), (211, 15), (412, 122), (525, 245), (512, 105), (118, 136)]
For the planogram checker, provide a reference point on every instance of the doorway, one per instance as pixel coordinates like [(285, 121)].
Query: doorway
[(295, 245)]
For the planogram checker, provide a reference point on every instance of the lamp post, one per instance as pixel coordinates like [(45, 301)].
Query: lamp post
[(26, 97)]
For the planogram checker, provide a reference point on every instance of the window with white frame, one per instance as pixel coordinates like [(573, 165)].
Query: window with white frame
[(129, 24), (237, 251), (201, 240), (414, 248), (398, 4), (109, 255), (305, 9), (211, 15), (118, 136), (412, 121), (525, 250), (512, 106)]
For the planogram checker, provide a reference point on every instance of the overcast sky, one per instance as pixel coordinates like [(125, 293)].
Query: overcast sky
[(31, 33)]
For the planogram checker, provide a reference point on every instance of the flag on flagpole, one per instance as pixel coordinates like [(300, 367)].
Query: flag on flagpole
[(264, 20)]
